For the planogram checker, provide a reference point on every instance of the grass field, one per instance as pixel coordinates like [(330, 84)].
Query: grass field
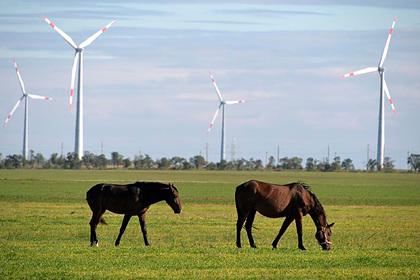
[(44, 231)]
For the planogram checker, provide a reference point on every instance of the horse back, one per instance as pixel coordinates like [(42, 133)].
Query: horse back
[(270, 200), (116, 198)]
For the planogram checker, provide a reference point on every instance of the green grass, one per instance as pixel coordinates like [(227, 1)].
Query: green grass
[(44, 231)]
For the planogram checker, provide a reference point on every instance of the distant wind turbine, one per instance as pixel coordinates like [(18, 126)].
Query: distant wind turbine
[(222, 104), (78, 61), (25, 119), (383, 88)]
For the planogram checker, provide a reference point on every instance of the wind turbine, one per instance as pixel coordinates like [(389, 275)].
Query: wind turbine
[(25, 119), (383, 88), (78, 63), (222, 104)]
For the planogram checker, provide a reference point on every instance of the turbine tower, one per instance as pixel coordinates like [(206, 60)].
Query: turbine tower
[(222, 104), (25, 118), (78, 63), (383, 89)]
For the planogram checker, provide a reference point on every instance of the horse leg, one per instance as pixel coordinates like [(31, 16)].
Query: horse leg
[(283, 228), (94, 221), (142, 220), (239, 224), (299, 218), (122, 229), (248, 227)]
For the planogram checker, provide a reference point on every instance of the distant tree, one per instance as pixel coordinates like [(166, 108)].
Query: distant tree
[(336, 164), (323, 166), (241, 164), (310, 164), (13, 161), (271, 164), (198, 161), (414, 161), (222, 165), (258, 164), (116, 159), (347, 164), (177, 162), (163, 163), (211, 166), (126, 163), (295, 163), (52, 161), (38, 160), (101, 161), (388, 164), (371, 165), (143, 162), (89, 160), (72, 161)]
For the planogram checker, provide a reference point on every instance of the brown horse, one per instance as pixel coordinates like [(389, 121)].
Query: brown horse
[(292, 201), (130, 200)]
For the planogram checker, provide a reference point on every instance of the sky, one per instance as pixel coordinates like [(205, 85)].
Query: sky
[(147, 88)]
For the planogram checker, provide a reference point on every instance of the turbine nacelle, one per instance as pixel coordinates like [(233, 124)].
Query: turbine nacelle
[(222, 103)]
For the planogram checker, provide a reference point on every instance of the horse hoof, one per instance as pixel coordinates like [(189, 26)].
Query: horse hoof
[(94, 244), (302, 248)]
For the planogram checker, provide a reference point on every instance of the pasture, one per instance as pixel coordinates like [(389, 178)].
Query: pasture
[(44, 231)]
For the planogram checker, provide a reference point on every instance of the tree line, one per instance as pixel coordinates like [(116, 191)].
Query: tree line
[(145, 162)]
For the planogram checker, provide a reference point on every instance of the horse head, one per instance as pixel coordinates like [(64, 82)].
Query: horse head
[(173, 199), (324, 236)]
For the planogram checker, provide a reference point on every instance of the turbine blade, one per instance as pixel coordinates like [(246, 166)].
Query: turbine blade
[(22, 86), (9, 116), (234, 102), (73, 78), (215, 86), (361, 71), (92, 38), (391, 103), (66, 37), (391, 30), (34, 96), (214, 118)]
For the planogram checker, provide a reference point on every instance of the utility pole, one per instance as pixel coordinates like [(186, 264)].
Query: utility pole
[(102, 148), (62, 149), (207, 151), (278, 154), (367, 157), (328, 154)]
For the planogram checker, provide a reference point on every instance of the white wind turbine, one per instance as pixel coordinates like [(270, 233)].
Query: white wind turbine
[(383, 88), (25, 119), (78, 61), (222, 104)]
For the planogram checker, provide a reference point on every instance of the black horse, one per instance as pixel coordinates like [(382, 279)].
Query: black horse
[(292, 201), (130, 200)]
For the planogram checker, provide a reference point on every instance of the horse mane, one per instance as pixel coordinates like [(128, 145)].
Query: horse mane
[(154, 184), (317, 207)]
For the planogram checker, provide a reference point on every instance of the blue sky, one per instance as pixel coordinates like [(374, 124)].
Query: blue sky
[(147, 87)]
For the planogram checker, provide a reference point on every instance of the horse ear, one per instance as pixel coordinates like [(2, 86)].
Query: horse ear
[(331, 225)]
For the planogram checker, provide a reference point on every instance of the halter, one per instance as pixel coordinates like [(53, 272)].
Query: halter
[(325, 238)]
